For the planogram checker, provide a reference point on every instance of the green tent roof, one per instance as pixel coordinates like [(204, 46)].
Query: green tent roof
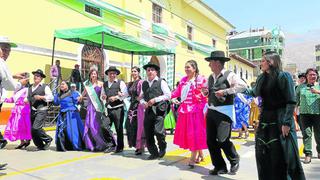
[(204, 49), (115, 41)]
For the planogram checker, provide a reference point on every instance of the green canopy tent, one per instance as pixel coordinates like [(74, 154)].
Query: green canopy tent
[(106, 38)]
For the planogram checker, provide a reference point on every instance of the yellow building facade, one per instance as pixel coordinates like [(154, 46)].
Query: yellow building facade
[(31, 24), (190, 28)]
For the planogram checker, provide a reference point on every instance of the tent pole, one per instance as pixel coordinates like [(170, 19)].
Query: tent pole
[(174, 70), (131, 64), (102, 47), (54, 44)]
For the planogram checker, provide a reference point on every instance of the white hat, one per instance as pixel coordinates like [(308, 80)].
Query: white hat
[(72, 85), (6, 40)]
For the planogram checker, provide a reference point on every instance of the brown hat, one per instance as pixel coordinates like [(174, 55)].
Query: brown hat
[(217, 56)]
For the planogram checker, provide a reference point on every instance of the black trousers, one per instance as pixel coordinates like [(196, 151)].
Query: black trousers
[(218, 137), (39, 136), (106, 131), (1, 138), (117, 116), (154, 126)]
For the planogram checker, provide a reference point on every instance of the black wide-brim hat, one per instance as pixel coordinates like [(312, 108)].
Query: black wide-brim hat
[(112, 68), (39, 71), (217, 56), (302, 75), (150, 64)]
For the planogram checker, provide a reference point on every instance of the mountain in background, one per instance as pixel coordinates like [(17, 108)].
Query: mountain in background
[(300, 49)]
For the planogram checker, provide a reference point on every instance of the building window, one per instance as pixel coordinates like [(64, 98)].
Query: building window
[(318, 58), (91, 56), (249, 54), (92, 10), (241, 73), (318, 47), (246, 74), (280, 52), (190, 36), (235, 69), (214, 43), (156, 13)]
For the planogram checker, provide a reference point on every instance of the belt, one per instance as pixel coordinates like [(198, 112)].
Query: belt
[(40, 109)]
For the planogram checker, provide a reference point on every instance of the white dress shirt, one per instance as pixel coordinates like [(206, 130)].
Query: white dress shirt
[(123, 89), (237, 85), (164, 87), (7, 81)]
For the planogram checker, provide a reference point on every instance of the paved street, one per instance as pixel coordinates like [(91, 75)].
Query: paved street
[(87, 165)]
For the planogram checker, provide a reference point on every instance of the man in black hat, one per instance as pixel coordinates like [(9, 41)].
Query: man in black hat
[(114, 91), (222, 85), (155, 95), (39, 94)]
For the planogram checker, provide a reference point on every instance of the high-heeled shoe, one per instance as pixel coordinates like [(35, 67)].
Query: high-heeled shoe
[(26, 144), (20, 146), (200, 159)]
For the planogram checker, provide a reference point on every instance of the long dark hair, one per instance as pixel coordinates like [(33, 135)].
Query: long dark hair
[(63, 92), (275, 68), (137, 69)]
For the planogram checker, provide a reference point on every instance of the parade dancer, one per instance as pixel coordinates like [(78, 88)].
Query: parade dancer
[(114, 91), (222, 85), (155, 95), (190, 132), (39, 94)]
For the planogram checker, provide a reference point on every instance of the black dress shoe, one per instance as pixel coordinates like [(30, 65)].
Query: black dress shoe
[(139, 152), (217, 171), (3, 166), (234, 168), (47, 144), (118, 150), (3, 144), (26, 144), (152, 157), (20, 146), (162, 153), (109, 149)]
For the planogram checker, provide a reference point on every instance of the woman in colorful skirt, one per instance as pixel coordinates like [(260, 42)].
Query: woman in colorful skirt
[(97, 134), (69, 130), (19, 124), (242, 108), (134, 122), (190, 132)]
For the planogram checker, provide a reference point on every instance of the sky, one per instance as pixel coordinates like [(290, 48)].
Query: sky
[(293, 16)]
